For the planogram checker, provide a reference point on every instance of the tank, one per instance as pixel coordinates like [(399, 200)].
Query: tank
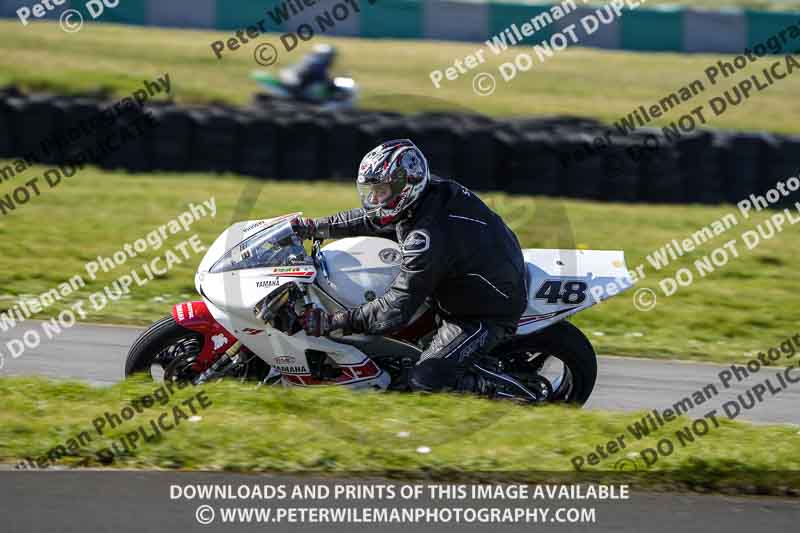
[(359, 269)]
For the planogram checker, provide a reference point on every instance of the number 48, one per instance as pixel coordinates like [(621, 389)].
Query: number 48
[(574, 292)]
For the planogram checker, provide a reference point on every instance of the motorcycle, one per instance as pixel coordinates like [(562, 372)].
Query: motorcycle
[(257, 280), (338, 93)]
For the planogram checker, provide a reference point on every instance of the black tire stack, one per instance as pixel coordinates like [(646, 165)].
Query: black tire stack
[(551, 156)]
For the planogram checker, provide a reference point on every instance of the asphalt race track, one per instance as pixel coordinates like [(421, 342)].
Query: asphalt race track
[(97, 354)]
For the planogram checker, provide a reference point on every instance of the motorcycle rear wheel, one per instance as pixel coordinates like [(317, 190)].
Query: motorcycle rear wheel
[(561, 354)]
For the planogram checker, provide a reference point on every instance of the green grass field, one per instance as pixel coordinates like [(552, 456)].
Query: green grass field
[(335, 431), (747, 305), (393, 74)]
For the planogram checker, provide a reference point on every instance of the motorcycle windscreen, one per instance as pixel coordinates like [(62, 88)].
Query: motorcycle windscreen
[(273, 246)]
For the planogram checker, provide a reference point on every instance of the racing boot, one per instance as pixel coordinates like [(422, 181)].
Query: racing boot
[(485, 378)]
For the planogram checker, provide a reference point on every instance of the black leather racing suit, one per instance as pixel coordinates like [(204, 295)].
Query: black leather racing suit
[(457, 251), (312, 70)]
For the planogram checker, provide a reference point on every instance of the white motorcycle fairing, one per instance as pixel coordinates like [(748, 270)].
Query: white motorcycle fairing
[(350, 272), (563, 282), (232, 295)]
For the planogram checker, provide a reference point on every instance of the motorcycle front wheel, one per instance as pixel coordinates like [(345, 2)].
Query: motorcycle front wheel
[(166, 351)]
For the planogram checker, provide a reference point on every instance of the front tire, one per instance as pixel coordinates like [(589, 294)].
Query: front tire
[(526, 358), (167, 345)]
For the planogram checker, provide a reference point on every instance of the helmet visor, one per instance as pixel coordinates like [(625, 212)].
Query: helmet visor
[(375, 195)]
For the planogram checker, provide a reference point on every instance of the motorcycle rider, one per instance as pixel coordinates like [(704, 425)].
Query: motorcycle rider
[(454, 250), (309, 78)]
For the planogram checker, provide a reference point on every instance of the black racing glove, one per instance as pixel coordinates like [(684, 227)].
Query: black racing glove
[(305, 228), (318, 323)]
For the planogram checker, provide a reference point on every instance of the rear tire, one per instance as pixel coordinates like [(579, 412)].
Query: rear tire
[(153, 345), (562, 341)]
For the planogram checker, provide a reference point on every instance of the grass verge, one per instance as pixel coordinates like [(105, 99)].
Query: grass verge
[(244, 429), (587, 82), (742, 307)]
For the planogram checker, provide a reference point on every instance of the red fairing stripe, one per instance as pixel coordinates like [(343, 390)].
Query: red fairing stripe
[(196, 317)]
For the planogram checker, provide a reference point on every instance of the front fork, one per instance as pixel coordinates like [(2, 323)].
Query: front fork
[(223, 365)]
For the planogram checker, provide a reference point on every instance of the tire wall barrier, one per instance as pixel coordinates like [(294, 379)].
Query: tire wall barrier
[(659, 28), (551, 156)]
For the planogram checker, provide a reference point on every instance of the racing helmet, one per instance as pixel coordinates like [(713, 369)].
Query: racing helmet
[(324, 49), (391, 178), (323, 54)]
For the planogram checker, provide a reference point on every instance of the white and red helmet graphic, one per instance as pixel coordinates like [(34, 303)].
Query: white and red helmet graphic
[(391, 178)]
